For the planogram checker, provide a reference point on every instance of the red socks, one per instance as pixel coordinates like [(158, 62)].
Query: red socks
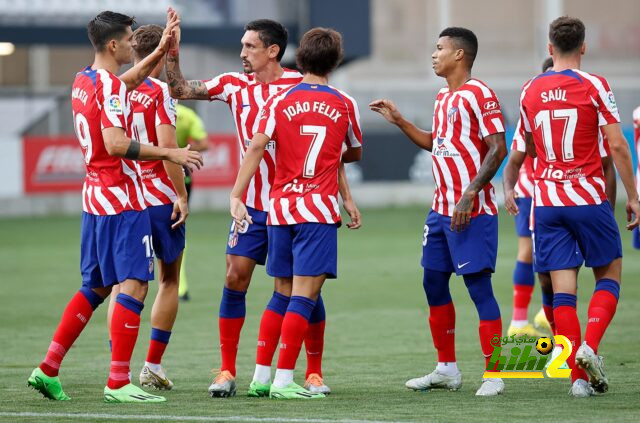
[(548, 312), (601, 310), (487, 330), (125, 325), (229, 338), (74, 319), (294, 327), (268, 337), (157, 345), (442, 321), (314, 344), (567, 324), (521, 300)]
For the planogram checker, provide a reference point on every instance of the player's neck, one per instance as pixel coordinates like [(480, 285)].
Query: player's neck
[(310, 78), (561, 63), (272, 72), (104, 61), (458, 78)]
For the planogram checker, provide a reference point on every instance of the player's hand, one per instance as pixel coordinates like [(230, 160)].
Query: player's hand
[(239, 212), (170, 34), (633, 214), (510, 203), (387, 109), (462, 212), (354, 214), (185, 157), (180, 212)]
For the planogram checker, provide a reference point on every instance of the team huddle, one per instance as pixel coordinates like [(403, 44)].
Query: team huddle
[(295, 133)]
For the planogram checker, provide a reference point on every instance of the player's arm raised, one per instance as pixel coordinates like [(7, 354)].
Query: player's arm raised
[(137, 74), (347, 200), (250, 164), (492, 161), (118, 144), (510, 178), (388, 110), (179, 88), (167, 139), (622, 159)]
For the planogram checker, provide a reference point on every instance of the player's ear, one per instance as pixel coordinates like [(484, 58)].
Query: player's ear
[(583, 48), (459, 54), (550, 49), (112, 45), (273, 51)]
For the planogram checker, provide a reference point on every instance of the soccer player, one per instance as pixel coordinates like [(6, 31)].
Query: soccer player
[(636, 140), (116, 234), (263, 45), (189, 131), (163, 188), (518, 189), (562, 112), (467, 144), (309, 124)]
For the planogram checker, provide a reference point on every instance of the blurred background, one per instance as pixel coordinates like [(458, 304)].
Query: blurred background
[(388, 47)]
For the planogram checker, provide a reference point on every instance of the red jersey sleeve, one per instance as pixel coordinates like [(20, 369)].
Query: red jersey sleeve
[(519, 143), (488, 110), (605, 101), (165, 107), (354, 133), (111, 93), (223, 86)]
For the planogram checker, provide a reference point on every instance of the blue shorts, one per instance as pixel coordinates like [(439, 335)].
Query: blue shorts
[(523, 217), (252, 240), (115, 248), (558, 229), (470, 251), (304, 249), (635, 238), (167, 243)]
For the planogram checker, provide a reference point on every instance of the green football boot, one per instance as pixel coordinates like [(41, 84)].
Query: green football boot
[(293, 391), (48, 386), (130, 393), (257, 389)]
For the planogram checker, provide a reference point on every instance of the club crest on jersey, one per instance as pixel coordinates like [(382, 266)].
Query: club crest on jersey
[(150, 265), (115, 104), (452, 114), (611, 100)]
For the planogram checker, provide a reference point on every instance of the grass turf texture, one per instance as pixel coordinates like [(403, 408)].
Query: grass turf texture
[(377, 334)]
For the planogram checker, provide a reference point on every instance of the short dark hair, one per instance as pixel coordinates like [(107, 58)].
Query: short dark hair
[(464, 39), (320, 51), (270, 33), (547, 64), (566, 34), (108, 26), (146, 39)]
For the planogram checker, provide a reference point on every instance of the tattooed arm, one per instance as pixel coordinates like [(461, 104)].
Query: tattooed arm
[(496, 154), (180, 88)]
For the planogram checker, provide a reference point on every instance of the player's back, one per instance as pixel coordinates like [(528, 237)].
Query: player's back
[(563, 111), (98, 101), (310, 125), (152, 106)]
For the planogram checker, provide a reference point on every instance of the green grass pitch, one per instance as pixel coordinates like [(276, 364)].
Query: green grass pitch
[(377, 334)]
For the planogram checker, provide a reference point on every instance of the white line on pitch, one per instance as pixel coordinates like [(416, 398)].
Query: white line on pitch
[(180, 418)]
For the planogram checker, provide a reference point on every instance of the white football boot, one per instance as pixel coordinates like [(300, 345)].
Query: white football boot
[(223, 385), (581, 389), (592, 364), (490, 387), (315, 384), (155, 379), (435, 380)]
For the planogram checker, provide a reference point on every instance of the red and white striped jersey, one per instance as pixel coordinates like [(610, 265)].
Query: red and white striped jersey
[(99, 101), (461, 119), (151, 106), (636, 141), (564, 111), (245, 97), (525, 186), (309, 124)]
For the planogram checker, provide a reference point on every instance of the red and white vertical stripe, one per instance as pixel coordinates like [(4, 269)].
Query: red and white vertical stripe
[(245, 97), (314, 208)]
